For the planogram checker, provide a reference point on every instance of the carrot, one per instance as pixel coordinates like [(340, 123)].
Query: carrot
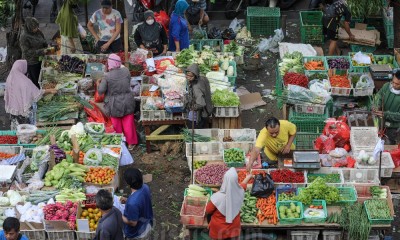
[(314, 65), (267, 209), (4, 155)]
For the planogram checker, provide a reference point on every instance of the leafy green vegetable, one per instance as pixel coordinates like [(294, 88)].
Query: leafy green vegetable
[(186, 57), (318, 189), (234, 48), (225, 98)]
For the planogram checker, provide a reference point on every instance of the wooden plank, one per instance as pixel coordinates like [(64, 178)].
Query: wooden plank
[(164, 137), (160, 130), (64, 122)]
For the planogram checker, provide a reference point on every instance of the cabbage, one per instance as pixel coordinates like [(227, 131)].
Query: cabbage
[(14, 197), (4, 201), (77, 130), (225, 98)]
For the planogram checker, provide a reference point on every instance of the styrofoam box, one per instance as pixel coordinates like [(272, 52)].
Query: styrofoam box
[(387, 165), (238, 135), (204, 149)]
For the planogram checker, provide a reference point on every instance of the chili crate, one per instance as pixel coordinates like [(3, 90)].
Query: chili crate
[(305, 141), (311, 27), (237, 135), (263, 20), (353, 177), (323, 172), (193, 210), (297, 185), (387, 165), (336, 90), (226, 111), (9, 133), (357, 68)]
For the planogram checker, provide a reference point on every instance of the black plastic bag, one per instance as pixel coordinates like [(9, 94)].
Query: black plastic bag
[(262, 186)]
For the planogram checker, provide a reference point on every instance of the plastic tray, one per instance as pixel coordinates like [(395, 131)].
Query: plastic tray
[(354, 177), (316, 219), (376, 221), (292, 220), (208, 149), (192, 219), (387, 165), (325, 171), (311, 28), (306, 157)]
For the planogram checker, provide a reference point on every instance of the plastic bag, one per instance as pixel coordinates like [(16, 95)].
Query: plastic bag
[(338, 153), (298, 94), (138, 57), (365, 82), (126, 156), (395, 153), (272, 42), (153, 103), (324, 144), (339, 131), (162, 18), (118, 204), (25, 132), (95, 128), (98, 97), (96, 115), (40, 155), (262, 186), (93, 157), (361, 58), (235, 24), (85, 84), (321, 88)]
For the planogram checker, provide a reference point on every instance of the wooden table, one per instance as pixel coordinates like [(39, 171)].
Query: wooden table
[(163, 125)]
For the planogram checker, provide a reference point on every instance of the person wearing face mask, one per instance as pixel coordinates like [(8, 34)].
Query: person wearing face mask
[(276, 138), (150, 35), (387, 106), (33, 46)]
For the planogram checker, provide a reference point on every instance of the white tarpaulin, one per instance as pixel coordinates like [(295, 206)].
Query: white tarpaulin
[(306, 49)]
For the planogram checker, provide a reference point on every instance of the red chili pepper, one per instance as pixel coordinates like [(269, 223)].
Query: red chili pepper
[(287, 176), (7, 139)]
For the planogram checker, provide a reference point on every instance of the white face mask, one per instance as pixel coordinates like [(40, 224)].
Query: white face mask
[(150, 21), (397, 92)]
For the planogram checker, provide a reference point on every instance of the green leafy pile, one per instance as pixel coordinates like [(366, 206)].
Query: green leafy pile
[(318, 189), (225, 98), (291, 62), (186, 57)]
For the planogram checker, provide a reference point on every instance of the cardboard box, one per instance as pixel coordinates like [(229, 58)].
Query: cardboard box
[(82, 225), (56, 225)]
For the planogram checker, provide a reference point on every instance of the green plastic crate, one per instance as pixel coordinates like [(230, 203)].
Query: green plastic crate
[(388, 27), (215, 44), (279, 87), (307, 116), (329, 58), (377, 221), (390, 41), (376, 22), (354, 21), (8, 133), (208, 190), (311, 28), (196, 43), (317, 58), (377, 58), (305, 141), (362, 48), (291, 220), (360, 69), (311, 125), (263, 21), (235, 164), (349, 194), (316, 219)]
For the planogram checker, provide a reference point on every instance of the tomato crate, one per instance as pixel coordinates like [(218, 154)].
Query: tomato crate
[(226, 112), (304, 235), (235, 164), (375, 221), (263, 20), (339, 91), (305, 141), (387, 165), (188, 206), (311, 28), (209, 149), (237, 135), (323, 172), (289, 220), (365, 67), (353, 177), (315, 219), (9, 133)]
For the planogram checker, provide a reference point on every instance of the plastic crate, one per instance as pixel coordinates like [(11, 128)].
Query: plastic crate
[(363, 138), (247, 147), (387, 165), (316, 219), (154, 115), (8, 133), (389, 31), (11, 149), (187, 218), (310, 108), (348, 195), (310, 123), (330, 58), (291, 220), (362, 48), (212, 133), (85, 235), (296, 115), (34, 234), (360, 68), (282, 184), (304, 235), (361, 92), (340, 91), (226, 112), (324, 171), (285, 189), (60, 235), (331, 235), (317, 58), (311, 28), (263, 20), (363, 194), (378, 58), (206, 149), (232, 79), (235, 164), (238, 135), (374, 221), (208, 190), (305, 141), (353, 177), (390, 41), (215, 44)]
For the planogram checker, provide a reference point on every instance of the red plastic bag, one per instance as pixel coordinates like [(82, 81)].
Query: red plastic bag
[(324, 144), (162, 18), (395, 153), (96, 115), (162, 64), (98, 97), (339, 131)]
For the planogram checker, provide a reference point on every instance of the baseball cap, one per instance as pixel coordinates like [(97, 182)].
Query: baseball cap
[(106, 3)]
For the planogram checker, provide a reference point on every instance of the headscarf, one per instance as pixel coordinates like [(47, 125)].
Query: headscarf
[(31, 23), (180, 7), (67, 20), (20, 93), (114, 61), (147, 14), (150, 34), (230, 197)]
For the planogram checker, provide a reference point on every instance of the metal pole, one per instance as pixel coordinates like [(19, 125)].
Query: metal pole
[(283, 25)]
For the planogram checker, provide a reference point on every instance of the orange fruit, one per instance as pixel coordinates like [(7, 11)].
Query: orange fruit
[(90, 210)]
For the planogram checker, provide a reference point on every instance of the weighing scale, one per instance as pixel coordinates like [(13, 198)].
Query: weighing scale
[(306, 160), (381, 72)]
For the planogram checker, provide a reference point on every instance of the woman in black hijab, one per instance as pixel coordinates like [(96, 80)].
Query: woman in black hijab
[(150, 35)]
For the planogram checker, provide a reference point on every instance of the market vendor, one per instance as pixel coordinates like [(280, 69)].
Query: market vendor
[(33, 46), (21, 95), (150, 35), (11, 228), (196, 13), (225, 206), (179, 28), (197, 102), (109, 22), (276, 138), (389, 98), (68, 23), (333, 13)]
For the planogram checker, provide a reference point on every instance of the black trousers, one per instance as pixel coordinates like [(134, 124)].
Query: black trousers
[(115, 46), (34, 72)]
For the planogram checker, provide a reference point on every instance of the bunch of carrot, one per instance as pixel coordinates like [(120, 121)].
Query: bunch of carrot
[(314, 65), (339, 81), (4, 155), (267, 209)]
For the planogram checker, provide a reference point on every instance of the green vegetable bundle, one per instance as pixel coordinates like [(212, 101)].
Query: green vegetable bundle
[(186, 57), (354, 220), (318, 189), (187, 136), (249, 210), (225, 98), (109, 161), (361, 9), (234, 48), (378, 209), (291, 62)]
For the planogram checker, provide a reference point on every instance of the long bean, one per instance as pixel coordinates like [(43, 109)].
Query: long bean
[(355, 221)]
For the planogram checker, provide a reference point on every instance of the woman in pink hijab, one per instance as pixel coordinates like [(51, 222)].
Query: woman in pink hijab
[(119, 101), (21, 93)]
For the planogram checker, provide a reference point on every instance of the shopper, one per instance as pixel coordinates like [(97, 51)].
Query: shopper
[(34, 47), (333, 13), (11, 228), (109, 23), (179, 28), (110, 224), (276, 138), (197, 102), (387, 106), (68, 22), (225, 206), (138, 215), (21, 94), (119, 101), (150, 35), (196, 13)]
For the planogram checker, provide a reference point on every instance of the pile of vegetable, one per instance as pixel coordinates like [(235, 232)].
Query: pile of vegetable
[(318, 76), (186, 57), (12, 198), (4, 155), (93, 215), (62, 212), (314, 65), (197, 191), (290, 212), (318, 189), (100, 175), (286, 196), (357, 64), (225, 98), (364, 8), (234, 155), (71, 64), (111, 139), (378, 192), (328, 178), (187, 136), (354, 220), (385, 60), (338, 63), (7, 139), (234, 48), (291, 62), (378, 209), (211, 174), (287, 176), (66, 175), (340, 81), (249, 210), (95, 127), (73, 195), (86, 142), (295, 79), (333, 217), (109, 161), (59, 154), (267, 209), (199, 164), (57, 109), (41, 196), (64, 142), (365, 158)]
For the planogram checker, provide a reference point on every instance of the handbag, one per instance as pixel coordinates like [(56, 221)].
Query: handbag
[(263, 186)]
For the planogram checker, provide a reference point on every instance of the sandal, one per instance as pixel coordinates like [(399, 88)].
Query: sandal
[(130, 148)]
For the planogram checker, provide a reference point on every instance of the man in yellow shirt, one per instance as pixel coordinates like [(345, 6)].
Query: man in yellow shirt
[(277, 137)]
